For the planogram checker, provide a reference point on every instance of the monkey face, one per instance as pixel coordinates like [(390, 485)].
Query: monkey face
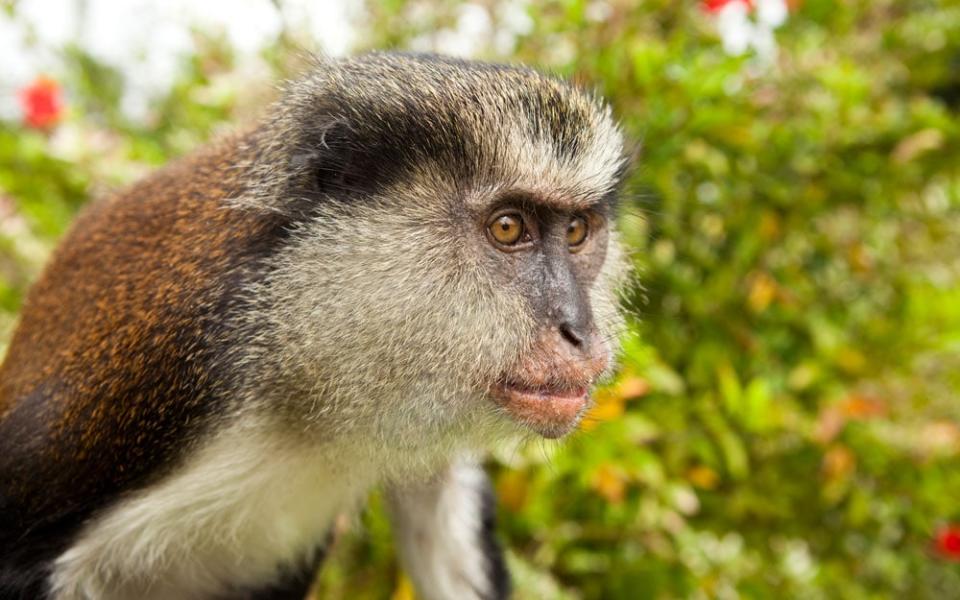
[(550, 252), (451, 265)]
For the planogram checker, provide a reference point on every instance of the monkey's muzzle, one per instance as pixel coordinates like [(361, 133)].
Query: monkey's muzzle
[(550, 412), (548, 388)]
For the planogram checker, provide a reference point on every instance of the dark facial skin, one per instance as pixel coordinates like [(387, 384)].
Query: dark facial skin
[(551, 253)]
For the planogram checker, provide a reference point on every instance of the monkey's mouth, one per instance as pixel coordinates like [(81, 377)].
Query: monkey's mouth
[(552, 410)]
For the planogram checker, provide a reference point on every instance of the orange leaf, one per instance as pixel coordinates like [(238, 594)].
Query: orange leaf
[(512, 490), (631, 387), (610, 482), (858, 406), (763, 289), (609, 402), (608, 405), (703, 477), (838, 463)]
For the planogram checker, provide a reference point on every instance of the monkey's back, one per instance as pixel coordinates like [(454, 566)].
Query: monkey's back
[(110, 374)]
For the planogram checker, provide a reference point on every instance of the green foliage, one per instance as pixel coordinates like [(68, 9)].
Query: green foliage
[(784, 421)]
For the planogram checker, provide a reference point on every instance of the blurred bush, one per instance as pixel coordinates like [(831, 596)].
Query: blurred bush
[(785, 418)]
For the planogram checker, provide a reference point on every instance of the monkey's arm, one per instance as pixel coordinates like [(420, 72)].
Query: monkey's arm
[(445, 533)]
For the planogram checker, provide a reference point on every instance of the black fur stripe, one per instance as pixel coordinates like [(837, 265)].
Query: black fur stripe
[(294, 585), (497, 573)]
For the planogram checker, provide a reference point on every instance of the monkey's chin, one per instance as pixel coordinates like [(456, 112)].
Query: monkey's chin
[(552, 413)]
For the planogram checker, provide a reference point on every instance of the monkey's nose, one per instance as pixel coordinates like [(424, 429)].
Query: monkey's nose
[(572, 334)]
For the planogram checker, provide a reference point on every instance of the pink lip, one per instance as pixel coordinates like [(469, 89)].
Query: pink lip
[(550, 411)]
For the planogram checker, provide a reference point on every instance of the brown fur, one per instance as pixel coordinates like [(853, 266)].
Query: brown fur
[(126, 309)]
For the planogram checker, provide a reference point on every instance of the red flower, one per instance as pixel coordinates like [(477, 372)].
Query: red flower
[(42, 103), (715, 5), (947, 542)]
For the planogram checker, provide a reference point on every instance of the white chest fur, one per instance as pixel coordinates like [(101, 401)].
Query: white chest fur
[(239, 511)]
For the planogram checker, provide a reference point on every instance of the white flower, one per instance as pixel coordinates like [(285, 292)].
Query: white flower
[(741, 30)]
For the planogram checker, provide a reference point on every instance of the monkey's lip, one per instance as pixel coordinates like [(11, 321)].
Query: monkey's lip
[(550, 410)]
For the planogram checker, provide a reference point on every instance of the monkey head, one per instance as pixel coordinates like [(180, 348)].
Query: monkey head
[(450, 264)]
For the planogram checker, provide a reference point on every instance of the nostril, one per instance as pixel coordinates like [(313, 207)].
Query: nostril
[(571, 335)]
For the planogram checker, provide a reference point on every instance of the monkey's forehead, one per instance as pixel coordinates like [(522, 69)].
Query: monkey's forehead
[(394, 114)]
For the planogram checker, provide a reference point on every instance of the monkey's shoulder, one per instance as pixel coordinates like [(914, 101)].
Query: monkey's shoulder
[(116, 364)]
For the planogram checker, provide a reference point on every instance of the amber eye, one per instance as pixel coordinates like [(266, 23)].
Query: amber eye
[(507, 229), (576, 231)]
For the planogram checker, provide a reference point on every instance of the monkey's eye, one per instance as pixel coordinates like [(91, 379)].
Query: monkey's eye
[(506, 229), (577, 231)]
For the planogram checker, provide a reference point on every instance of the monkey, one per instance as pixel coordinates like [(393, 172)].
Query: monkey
[(409, 259)]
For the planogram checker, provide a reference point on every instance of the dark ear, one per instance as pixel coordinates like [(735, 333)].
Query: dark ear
[(343, 162), (330, 152)]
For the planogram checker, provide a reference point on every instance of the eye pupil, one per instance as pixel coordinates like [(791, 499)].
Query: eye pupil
[(576, 231)]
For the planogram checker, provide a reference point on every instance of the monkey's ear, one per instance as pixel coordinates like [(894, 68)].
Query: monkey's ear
[(296, 167), (330, 152), (340, 165)]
